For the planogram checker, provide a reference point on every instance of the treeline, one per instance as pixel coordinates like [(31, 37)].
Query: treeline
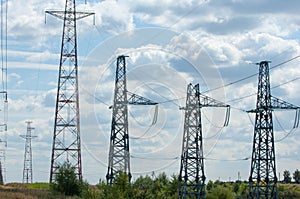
[(164, 187), (159, 187), (288, 179), (145, 187)]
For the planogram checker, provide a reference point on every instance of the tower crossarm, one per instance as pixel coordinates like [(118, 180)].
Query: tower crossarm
[(61, 14), (280, 104), (28, 136), (206, 101), (134, 99), (277, 103)]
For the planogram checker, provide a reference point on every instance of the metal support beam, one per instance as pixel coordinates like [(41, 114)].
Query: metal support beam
[(66, 137), (134, 99), (119, 154), (191, 176), (263, 179), (27, 171)]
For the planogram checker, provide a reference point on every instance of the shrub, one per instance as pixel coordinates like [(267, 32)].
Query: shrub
[(66, 181)]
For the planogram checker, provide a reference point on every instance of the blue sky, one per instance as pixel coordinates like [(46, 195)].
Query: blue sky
[(170, 44)]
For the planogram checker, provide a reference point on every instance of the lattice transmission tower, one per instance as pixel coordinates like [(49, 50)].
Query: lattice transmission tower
[(66, 137), (191, 175), (263, 179), (3, 90), (2, 158), (119, 155), (27, 170)]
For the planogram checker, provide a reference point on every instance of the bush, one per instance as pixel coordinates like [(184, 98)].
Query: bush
[(221, 192), (66, 182)]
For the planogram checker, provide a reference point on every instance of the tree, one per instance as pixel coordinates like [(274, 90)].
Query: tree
[(122, 185), (66, 181), (209, 185), (219, 191), (143, 187), (296, 176), (172, 187), (287, 176), (160, 184)]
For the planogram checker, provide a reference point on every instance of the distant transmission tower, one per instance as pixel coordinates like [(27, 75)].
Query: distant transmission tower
[(66, 137), (2, 161), (119, 156), (191, 176), (1, 175), (3, 90), (27, 171), (263, 179)]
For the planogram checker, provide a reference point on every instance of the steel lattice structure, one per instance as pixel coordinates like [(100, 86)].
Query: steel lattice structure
[(1, 175), (27, 171), (3, 92), (263, 179), (3, 145), (66, 137), (119, 155), (191, 176)]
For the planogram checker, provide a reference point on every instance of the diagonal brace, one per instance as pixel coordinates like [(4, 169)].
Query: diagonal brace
[(280, 104), (277, 103), (206, 101), (135, 99), (61, 14)]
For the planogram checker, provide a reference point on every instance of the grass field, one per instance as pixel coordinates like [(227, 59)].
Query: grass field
[(42, 191), (28, 191)]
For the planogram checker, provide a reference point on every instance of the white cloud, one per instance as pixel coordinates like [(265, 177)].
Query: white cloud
[(112, 16), (214, 43)]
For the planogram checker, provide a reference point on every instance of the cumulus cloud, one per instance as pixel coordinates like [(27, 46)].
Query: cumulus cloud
[(170, 44)]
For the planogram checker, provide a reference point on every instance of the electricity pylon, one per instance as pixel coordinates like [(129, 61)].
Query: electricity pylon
[(66, 137), (2, 159), (119, 156), (1, 175), (191, 175), (263, 179), (27, 171), (3, 92)]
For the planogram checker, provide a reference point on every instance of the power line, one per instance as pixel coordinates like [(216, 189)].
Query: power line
[(242, 79), (250, 76), (96, 98), (155, 158), (167, 99), (246, 96), (177, 157), (228, 160), (281, 127), (155, 170), (214, 135), (297, 78)]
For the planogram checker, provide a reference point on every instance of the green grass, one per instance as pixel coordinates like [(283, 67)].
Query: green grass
[(41, 190), (39, 185)]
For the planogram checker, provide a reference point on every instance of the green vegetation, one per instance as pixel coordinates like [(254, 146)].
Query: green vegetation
[(28, 191), (287, 177), (143, 187), (39, 185), (66, 181), (296, 176)]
